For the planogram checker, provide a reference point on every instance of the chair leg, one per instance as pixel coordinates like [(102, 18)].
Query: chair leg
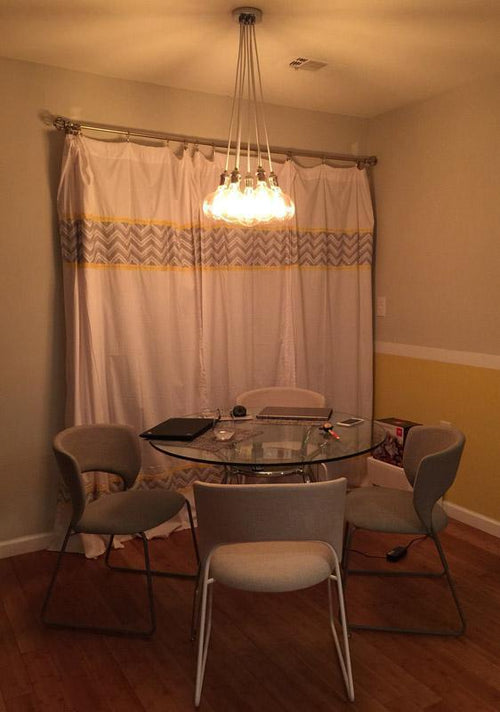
[(205, 629), (168, 574), (416, 574), (101, 629), (306, 474), (348, 534), (451, 585), (54, 576), (149, 581), (193, 537), (343, 651), (195, 612)]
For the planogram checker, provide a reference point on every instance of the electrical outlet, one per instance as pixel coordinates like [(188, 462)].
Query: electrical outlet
[(380, 309)]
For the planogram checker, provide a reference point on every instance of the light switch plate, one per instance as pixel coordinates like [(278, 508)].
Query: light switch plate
[(380, 306)]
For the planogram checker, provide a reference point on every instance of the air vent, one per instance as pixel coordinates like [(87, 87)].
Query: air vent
[(312, 65)]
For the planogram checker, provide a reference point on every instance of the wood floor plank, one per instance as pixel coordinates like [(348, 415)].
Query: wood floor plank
[(23, 703), (14, 680), (46, 683)]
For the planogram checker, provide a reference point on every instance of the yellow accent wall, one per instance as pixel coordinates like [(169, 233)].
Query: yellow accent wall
[(466, 396)]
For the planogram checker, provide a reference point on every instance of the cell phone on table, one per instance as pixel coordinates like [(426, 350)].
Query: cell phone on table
[(349, 422)]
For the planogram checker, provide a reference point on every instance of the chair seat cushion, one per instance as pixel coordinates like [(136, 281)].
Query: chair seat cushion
[(385, 509), (129, 512), (272, 566)]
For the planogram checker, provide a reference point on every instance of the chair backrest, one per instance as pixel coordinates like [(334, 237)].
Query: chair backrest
[(270, 512), (276, 395), (430, 460), (104, 447)]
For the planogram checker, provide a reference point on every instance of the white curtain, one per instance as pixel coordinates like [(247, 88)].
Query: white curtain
[(167, 313)]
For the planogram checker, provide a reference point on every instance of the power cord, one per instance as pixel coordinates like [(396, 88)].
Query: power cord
[(399, 552), (395, 554), (368, 556)]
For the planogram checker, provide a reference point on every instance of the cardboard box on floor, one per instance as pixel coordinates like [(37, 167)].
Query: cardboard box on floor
[(391, 450)]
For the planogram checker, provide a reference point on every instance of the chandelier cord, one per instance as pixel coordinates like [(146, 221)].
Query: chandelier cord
[(241, 97), (261, 103), (257, 118), (235, 100), (250, 109)]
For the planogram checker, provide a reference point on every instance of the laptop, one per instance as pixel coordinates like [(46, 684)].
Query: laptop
[(294, 413), (178, 429)]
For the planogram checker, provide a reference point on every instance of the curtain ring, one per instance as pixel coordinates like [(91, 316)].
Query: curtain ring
[(127, 138), (185, 145)]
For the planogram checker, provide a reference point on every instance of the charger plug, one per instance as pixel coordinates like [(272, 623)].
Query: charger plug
[(396, 554)]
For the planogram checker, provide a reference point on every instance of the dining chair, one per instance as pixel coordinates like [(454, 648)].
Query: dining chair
[(270, 538), (430, 461), (279, 396), (112, 449)]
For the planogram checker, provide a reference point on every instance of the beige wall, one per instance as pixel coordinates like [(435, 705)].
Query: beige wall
[(437, 189), (32, 353)]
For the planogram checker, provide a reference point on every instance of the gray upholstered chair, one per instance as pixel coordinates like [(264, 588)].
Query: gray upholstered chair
[(112, 449), (280, 396), (270, 538), (430, 460)]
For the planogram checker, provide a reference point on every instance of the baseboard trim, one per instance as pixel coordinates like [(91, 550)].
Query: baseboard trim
[(473, 519), (25, 544)]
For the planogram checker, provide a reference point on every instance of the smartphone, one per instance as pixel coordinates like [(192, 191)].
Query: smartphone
[(349, 422)]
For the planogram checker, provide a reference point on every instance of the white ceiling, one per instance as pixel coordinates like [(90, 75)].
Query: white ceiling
[(380, 54)]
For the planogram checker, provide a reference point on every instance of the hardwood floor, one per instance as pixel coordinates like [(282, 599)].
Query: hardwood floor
[(268, 652)]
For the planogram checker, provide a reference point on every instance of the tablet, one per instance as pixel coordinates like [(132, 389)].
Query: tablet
[(349, 422)]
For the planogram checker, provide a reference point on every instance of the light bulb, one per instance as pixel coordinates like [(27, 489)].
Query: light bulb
[(213, 203), (263, 209), (248, 202), (283, 206)]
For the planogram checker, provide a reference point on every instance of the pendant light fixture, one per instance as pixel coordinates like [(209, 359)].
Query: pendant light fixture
[(252, 198)]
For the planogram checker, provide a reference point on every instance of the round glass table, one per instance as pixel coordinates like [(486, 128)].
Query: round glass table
[(256, 445)]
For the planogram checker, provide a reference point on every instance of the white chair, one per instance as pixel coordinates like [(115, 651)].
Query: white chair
[(270, 538), (279, 396), (276, 395)]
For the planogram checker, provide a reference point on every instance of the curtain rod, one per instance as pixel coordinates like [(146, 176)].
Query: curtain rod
[(62, 123)]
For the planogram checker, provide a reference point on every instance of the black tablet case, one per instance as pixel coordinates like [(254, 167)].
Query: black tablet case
[(178, 429)]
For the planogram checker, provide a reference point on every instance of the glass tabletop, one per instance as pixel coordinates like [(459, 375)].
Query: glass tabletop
[(254, 442)]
